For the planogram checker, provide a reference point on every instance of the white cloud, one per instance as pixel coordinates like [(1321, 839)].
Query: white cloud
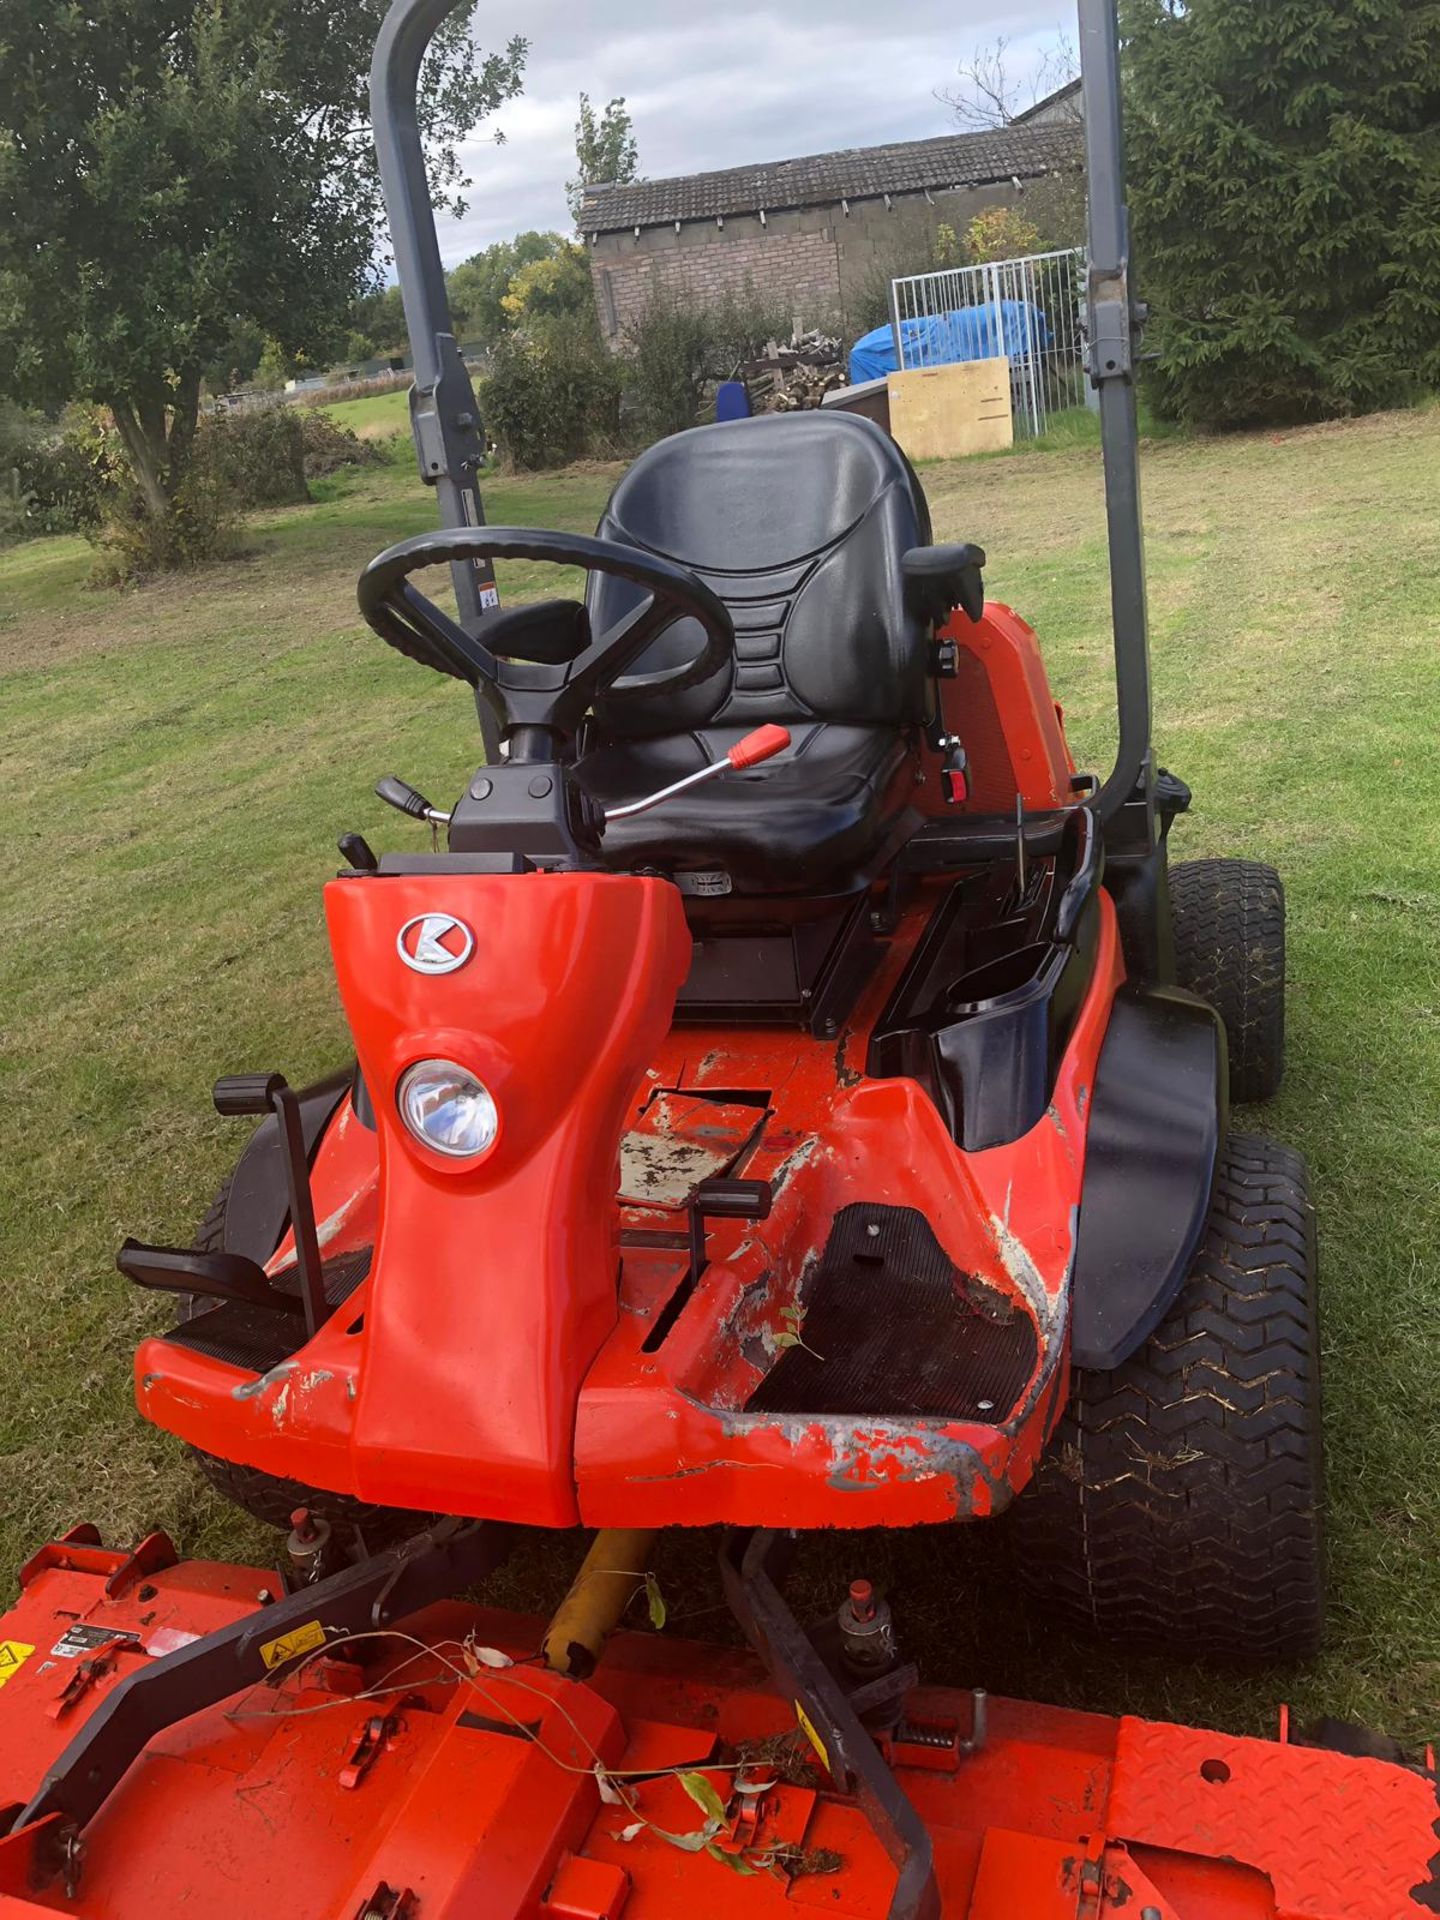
[(726, 89)]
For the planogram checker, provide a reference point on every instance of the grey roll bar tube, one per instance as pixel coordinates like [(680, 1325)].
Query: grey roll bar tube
[(1114, 320), (444, 417)]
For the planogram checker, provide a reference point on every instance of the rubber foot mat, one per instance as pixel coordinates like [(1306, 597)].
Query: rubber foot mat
[(258, 1338), (893, 1327)]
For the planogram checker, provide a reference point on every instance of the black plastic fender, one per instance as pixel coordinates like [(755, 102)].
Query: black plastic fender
[(1157, 1122), (258, 1209)]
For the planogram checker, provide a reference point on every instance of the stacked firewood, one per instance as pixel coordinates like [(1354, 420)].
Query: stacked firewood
[(790, 378)]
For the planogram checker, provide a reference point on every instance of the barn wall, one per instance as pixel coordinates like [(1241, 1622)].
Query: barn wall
[(815, 260)]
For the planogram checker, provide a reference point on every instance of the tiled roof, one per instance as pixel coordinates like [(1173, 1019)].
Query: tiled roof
[(824, 179)]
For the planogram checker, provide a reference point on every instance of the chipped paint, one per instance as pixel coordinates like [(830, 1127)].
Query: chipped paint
[(252, 1389), (657, 1169), (1021, 1269)]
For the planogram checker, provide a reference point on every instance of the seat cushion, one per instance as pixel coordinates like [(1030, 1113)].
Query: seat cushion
[(812, 820)]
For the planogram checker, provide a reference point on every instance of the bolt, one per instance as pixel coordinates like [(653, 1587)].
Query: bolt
[(265, 1597), (540, 786), (862, 1599), (985, 1406), (872, 1231), (480, 788)]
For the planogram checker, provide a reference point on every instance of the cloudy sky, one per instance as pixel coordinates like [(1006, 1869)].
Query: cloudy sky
[(712, 86)]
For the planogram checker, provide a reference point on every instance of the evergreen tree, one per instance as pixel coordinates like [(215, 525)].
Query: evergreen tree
[(1284, 165)]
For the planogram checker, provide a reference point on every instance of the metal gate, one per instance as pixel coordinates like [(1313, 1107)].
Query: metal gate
[(1029, 309)]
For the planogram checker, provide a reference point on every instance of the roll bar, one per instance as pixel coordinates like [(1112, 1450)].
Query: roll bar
[(444, 416), (445, 420), (1114, 326)]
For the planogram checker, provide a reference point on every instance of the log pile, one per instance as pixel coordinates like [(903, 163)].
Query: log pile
[(790, 378)]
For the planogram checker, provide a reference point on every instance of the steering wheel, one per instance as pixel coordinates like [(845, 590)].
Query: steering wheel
[(547, 692)]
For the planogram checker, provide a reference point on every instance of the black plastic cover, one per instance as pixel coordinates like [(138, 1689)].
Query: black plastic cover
[(1157, 1123)]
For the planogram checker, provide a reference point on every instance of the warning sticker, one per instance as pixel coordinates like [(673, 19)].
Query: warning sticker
[(807, 1727), (79, 1640), (289, 1646), (13, 1655)]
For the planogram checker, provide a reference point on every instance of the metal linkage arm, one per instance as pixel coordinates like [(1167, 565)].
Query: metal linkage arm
[(748, 1563)]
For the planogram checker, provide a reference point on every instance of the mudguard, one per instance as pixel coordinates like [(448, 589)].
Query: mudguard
[(257, 1211), (1160, 1108)]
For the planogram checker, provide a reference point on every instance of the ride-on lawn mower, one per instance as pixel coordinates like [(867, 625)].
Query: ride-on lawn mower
[(796, 1097)]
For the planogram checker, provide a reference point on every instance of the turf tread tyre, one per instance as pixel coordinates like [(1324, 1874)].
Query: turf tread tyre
[(1229, 919), (268, 1497), (1178, 1506)]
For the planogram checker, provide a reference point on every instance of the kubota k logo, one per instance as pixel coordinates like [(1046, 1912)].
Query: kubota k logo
[(435, 943)]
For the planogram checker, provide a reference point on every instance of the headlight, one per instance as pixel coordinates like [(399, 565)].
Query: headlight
[(447, 1109)]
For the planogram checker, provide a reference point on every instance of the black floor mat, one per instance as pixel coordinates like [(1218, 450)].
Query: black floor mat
[(257, 1338), (893, 1328)]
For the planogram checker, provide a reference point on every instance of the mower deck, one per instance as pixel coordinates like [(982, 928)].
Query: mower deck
[(401, 1777)]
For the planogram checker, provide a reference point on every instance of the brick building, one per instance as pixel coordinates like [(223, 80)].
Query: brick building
[(811, 231)]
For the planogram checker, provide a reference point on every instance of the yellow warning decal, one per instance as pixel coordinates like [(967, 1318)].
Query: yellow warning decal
[(289, 1646), (13, 1655), (807, 1727)]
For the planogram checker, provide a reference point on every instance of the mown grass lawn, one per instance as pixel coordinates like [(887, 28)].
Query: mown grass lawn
[(177, 762), (374, 415)]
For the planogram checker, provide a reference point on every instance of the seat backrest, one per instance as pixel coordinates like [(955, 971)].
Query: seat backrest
[(798, 522)]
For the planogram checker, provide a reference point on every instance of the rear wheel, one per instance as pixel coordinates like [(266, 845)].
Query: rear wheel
[(1178, 1506), (1229, 918), (269, 1497)]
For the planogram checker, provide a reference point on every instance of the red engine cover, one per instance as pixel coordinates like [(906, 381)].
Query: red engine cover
[(472, 1361)]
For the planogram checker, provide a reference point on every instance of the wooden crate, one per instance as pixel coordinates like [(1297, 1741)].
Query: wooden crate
[(939, 412)]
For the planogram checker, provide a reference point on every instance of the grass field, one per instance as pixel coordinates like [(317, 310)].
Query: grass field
[(179, 760), (374, 415)]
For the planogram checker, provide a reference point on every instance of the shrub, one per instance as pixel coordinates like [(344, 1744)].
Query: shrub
[(52, 474), (552, 394), (327, 446), (255, 456), (676, 351), (133, 543)]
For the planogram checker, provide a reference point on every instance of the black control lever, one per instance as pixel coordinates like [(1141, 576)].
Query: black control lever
[(267, 1093), (400, 795)]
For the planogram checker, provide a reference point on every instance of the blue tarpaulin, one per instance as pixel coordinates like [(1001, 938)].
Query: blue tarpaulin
[(935, 340)]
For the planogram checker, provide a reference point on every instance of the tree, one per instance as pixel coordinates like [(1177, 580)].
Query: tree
[(1285, 182), (605, 151), (170, 169), (379, 316), (1000, 233), (546, 289), (989, 93), (478, 286)]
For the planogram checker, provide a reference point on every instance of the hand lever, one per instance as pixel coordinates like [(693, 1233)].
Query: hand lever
[(396, 793), (763, 744)]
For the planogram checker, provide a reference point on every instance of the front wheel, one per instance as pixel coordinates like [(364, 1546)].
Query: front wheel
[(1178, 1506)]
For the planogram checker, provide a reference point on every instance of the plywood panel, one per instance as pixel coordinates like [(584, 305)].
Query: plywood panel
[(937, 413)]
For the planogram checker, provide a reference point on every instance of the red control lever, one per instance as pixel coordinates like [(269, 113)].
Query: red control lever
[(763, 744)]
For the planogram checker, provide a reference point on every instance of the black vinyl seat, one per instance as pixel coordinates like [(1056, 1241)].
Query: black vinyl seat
[(798, 522)]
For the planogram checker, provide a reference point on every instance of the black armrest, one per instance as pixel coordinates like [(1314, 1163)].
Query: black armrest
[(939, 579)]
